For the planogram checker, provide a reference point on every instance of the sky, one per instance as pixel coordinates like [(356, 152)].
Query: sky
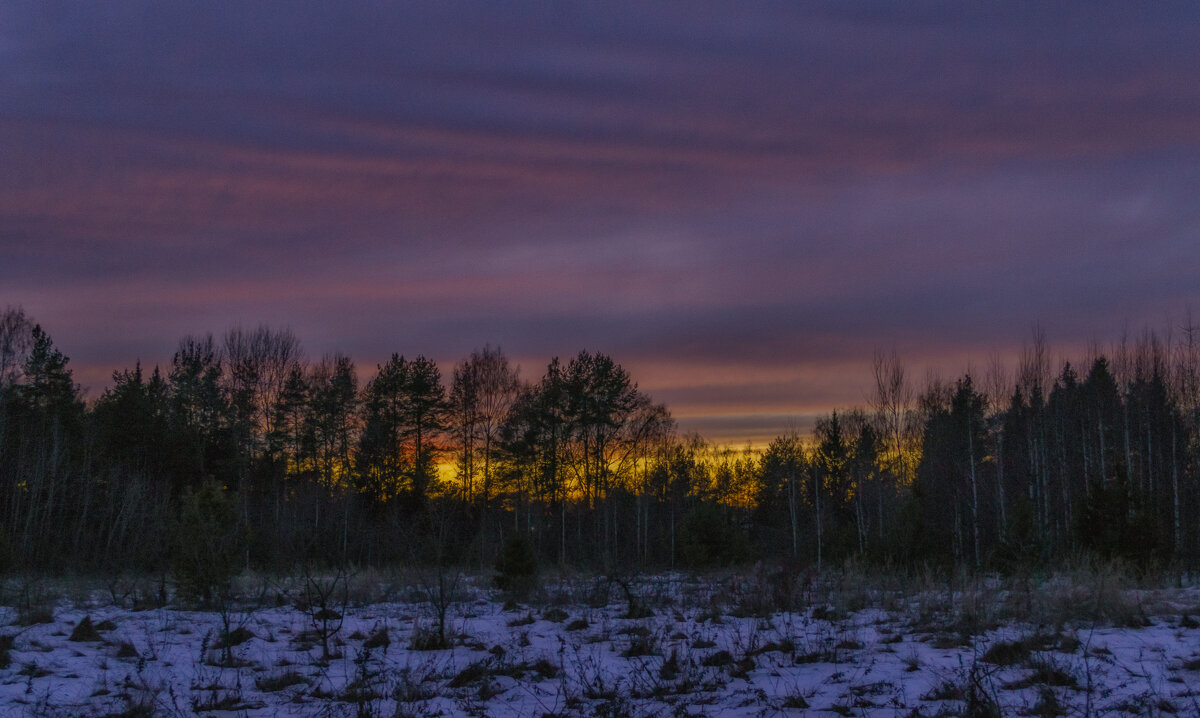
[(740, 202)]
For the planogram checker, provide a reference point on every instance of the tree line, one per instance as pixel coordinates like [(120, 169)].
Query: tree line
[(989, 471)]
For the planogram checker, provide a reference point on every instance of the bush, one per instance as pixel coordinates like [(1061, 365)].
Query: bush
[(85, 631), (7, 643), (6, 554), (516, 566), (706, 539), (207, 544)]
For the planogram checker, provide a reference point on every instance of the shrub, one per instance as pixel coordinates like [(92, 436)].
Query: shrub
[(127, 650), (424, 639), (85, 631), (34, 616), (270, 684), (473, 673), (207, 544), (378, 639), (1006, 653), (707, 539), (236, 637), (6, 553), (516, 566), (641, 644), (556, 615)]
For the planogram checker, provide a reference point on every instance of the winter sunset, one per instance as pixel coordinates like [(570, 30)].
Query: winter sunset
[(599, 359)]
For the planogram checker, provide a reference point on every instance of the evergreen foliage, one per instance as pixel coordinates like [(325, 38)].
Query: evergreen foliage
[(708, 540), (516, 565), (208, 544), (167, 468)]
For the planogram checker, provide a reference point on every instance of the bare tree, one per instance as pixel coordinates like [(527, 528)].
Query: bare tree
[(1187, 387), (974, 406), (259, 363), (325, 601), (464, 423), (892, 405), (333, 420), (1033, 377), (1123, 368), (16, 339), (996, 388), (484, 388)]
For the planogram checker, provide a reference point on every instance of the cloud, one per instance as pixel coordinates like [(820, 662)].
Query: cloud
[(734, 191)]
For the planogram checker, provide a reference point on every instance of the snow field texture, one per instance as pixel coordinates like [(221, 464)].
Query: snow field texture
[(688, 653)]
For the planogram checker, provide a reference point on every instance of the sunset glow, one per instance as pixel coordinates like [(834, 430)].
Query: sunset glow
[(740, 203)]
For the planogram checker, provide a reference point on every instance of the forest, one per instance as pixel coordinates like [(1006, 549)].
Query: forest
[(244, 448)]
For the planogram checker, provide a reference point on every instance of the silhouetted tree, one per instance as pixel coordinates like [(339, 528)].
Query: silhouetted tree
[(781, 492), (405, 413), (199, 413), (483, 390)]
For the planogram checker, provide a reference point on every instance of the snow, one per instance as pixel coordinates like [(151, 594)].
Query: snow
[(693, 656)]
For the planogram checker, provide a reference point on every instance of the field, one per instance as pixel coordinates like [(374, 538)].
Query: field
[(754, 643)]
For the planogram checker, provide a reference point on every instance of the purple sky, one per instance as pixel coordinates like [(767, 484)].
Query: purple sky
[(737, 201)]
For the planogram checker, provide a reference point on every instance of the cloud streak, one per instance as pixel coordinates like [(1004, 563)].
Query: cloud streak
[(756, 194)]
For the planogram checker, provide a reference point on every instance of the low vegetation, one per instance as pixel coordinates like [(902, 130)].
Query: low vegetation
[(857, 643)]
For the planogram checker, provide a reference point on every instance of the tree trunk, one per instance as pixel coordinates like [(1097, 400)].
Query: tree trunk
[(792, 511), (1000, 485), (1178, 530), (974, 492), (820, 538)]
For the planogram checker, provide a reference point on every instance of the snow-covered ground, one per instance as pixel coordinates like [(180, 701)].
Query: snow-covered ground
[(696, 653)]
